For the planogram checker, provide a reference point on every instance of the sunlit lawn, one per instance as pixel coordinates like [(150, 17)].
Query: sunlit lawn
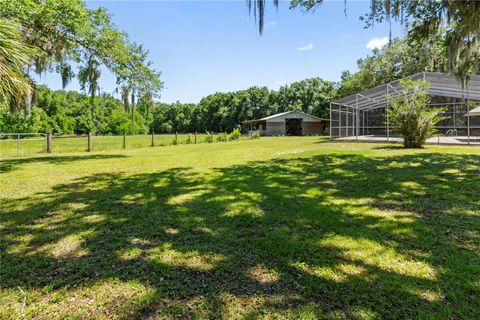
[(270, 228)]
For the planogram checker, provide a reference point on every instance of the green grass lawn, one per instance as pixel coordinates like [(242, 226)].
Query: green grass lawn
[(271, 228)]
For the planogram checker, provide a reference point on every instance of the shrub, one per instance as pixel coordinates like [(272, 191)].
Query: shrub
[(410, 116), (208, 137), (189, 139), (222, 137), (118, 122), (175, 141), (256, 135), (234, 135)]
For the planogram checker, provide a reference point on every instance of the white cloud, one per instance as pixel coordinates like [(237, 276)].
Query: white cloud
[(272, 23), (377, 43), (307, 47)]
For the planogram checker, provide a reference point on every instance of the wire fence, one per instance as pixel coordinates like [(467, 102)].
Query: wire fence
[(17, 144), (21, 144)]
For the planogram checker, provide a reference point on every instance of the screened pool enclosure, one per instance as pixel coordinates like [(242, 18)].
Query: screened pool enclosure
[(364, 114)]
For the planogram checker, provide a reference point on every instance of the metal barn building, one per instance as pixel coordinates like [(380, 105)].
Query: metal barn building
[(290, 123), (363, 115)]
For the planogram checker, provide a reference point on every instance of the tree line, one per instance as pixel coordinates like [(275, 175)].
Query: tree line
[(66, 37), (67, 112)]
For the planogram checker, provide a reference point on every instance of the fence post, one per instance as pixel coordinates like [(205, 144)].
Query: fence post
[(176, 137), (18, 144), (89, 142), (195, 137), (124, 140), (49, 143), (153, 138)]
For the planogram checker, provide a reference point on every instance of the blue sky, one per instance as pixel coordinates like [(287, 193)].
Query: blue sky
[(202, 47)]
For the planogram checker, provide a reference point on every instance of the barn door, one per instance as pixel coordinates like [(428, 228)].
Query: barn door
[(293, 127)]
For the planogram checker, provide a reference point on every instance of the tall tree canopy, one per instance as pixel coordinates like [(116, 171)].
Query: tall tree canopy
[(67, 35), (424, 19), (401, 59)]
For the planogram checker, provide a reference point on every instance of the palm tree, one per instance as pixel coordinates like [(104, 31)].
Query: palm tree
[(88, 77), (14, 56)]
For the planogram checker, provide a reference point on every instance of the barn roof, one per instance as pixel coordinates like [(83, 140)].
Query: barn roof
[(440, 84), (473, 112), (273, 116)]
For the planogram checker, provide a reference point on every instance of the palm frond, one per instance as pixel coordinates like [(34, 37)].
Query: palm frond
[(14, 56)]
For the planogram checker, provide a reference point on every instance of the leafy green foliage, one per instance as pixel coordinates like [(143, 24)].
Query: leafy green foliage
[(460, 19), (311, 96), (222, 112), (222, 137), (402, 58), (68, 113), (66, 34), (410, 115), (234, 135), (217, 112), (189, 139), (88, 77), (208, 137), (424, 20), (18, 122), (14, 55), (117, 122)]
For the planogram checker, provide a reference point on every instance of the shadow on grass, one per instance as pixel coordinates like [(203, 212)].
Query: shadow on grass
[(332, 235), (323, 139), (386, 146), (9, 164)]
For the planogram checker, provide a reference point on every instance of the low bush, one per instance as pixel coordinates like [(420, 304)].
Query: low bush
[(256, 135), (411, 116), (208, 137), (234, 135), (222, 137)]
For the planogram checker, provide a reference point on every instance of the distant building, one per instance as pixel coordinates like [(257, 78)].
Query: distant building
[(290, 123)]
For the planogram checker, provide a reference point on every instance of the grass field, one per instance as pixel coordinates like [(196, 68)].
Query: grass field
[(37, 144), (296, 228)]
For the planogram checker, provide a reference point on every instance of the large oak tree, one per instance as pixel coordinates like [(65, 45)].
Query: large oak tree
[(423, 19)]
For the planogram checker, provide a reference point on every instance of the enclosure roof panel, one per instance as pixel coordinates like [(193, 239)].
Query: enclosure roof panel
[(440, 84)]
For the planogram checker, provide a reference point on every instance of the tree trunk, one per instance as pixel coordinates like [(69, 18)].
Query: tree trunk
[(125, 101), (92, 106), (133, 112), (28, 101)]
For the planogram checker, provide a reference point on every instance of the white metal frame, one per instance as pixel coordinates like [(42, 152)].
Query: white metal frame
[(440, 84)]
